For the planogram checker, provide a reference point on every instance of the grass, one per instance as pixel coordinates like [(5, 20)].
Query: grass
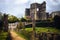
[(22, 35), (44, 29), (27, 35), (3, 35)]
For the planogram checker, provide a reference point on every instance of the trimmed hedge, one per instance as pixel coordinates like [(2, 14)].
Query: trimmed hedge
[(41, 24)]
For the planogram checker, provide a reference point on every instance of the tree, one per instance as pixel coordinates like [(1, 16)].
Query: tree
[(57, 21), (12, 19), (19, 26), (23, 20), (1, 25), (1, 21)]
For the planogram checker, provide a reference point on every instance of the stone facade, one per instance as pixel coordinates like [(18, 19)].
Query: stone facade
[(27, 13), (53, 14), (47, 15), (38, 10)]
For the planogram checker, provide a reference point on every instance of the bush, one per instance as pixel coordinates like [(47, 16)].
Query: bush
[(3, 35), (57, 21)]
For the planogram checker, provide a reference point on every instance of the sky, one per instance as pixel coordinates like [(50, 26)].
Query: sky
[(17, 7)]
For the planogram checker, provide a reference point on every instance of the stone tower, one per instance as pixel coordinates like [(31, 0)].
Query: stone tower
[(27, 13), (38, 10)]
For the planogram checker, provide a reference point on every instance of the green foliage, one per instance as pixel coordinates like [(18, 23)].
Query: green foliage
[(26, 35), (3, 35), (12, 18), (57, 21), (28, 31), (43, 29), (23, 20), (1, 16), (1, 22), (19, 26)]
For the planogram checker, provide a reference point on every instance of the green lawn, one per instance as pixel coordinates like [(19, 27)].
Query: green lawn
[(3, 35), (44, 29), (22, 35), (27, 34)]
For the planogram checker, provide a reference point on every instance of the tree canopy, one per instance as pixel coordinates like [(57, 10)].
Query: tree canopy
[(12, 18)]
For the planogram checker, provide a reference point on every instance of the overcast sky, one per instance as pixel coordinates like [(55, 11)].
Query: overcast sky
[(17, 7)]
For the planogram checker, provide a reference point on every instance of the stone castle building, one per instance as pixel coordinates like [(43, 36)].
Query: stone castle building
[(47, 15), (37, 10), (53, 14), (27, 13)]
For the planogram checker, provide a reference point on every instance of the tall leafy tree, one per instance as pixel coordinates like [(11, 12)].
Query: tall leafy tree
[(12, 18)]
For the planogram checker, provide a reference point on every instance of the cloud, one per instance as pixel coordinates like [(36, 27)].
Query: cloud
[(53, 5), (17, 7), (54, 2), (38, 1), (20, 1)]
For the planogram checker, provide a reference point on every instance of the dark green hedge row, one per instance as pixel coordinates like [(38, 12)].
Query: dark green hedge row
[(47, 24)]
